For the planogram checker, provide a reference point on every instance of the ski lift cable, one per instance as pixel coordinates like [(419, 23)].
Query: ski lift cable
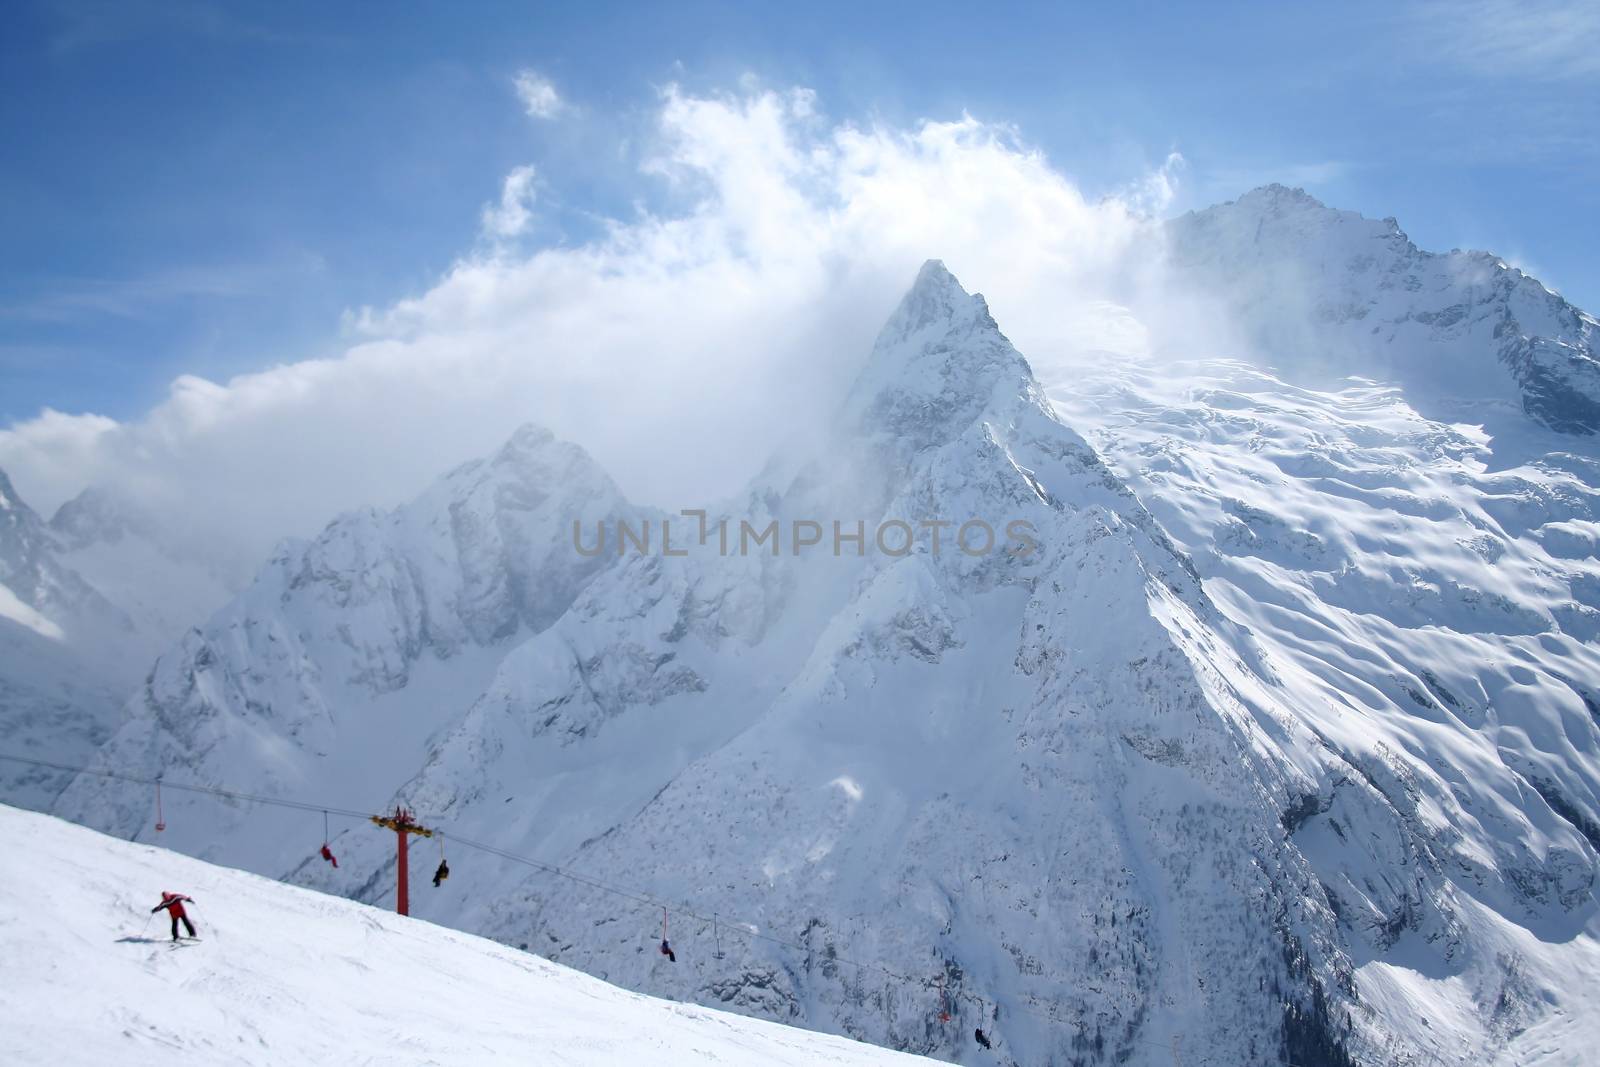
[(229, 794), (749, 930), (638, 897)]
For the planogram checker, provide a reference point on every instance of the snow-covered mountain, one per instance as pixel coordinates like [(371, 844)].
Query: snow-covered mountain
[(988, 771), (1272, 734), (1428, 612), (57, 701), (281, 975), (1332, 291), (38, 587), (87, 601), (161, 582), (330, 672), (997, 761)]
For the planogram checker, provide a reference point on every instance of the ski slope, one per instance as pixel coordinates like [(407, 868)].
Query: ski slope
[(285, 975)]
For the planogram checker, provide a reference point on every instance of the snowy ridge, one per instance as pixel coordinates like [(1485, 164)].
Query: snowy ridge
[(286, 976), (42, 593), (87, 600), (1330, 289), (1428, 614), (347, 651), (56, 699), (162, 583)]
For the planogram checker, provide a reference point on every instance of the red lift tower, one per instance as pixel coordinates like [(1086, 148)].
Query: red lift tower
[(403, 825)]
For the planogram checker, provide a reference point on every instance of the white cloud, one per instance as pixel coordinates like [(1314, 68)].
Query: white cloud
[(511, 216), (1154, 193), (538, 95), (680, 348), (55, 454)]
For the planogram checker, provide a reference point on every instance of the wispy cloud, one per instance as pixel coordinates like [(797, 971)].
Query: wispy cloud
[(1228, 182), (513, 214), (1542, 40), (89, 23), (538, 95), (135, 298), (1154, 192)]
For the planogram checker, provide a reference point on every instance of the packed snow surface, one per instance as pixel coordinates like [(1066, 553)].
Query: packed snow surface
[(284, 975)]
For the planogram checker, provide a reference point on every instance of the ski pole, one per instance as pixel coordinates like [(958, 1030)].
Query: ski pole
[(197, 915)]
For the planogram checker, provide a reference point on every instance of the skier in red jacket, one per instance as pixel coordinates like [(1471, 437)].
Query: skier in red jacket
[(173, 902)]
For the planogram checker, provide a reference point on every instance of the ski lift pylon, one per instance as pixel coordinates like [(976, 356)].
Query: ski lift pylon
[(404, 824)]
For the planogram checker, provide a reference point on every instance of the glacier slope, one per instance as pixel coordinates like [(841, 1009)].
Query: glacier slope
[(1429, 610), (1330, 293)]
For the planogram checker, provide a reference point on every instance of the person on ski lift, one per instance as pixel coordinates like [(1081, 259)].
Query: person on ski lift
[(982, 1038), (327, 854), (666, 950), (440, 875), (174, 902)]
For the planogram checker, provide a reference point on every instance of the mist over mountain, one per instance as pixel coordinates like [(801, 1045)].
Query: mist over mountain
[(1329, 291), (1282, 739), (87, 601)]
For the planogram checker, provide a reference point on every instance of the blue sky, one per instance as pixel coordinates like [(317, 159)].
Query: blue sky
[(205, 188)]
